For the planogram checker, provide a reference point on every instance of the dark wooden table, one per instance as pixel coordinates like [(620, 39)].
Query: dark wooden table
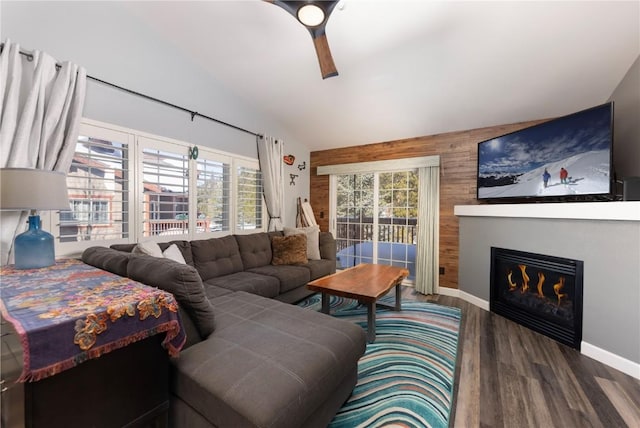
[(365, 283), (88, 346)]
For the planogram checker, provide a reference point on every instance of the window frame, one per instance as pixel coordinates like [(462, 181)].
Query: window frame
[(244, 163), (168, 146), (94, 129), (136, 142), (225, 159)]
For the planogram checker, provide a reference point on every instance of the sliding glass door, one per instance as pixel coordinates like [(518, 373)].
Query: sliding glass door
[(397, 219), (354, 225), (375, 217)]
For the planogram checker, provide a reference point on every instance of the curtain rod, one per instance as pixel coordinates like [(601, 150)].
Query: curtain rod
[(193, 114)]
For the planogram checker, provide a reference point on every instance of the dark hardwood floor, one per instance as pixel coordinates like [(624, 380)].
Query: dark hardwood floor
[(510, 376)]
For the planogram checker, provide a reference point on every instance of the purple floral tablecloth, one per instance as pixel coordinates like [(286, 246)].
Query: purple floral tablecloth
[(72, 312)]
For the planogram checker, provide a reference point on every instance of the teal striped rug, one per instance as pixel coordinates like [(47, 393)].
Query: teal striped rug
[(405, 378)]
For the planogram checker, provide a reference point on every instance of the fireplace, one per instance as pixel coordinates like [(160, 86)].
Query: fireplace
[(538, 291)]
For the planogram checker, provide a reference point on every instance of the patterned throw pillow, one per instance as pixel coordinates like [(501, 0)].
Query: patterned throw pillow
[(289, 250)]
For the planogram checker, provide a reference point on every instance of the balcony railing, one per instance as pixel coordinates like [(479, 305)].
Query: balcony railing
[(173, 227), (400, 230)]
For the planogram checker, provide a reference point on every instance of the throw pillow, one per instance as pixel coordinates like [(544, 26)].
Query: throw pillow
[(174, 253), (148, 248), (289, 250), (313, 239), (182, 281)]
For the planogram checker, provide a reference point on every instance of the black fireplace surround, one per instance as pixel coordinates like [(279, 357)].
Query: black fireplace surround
[(541, 292)]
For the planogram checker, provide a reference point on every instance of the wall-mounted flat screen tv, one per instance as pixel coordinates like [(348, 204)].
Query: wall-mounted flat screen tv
[(563, 159)]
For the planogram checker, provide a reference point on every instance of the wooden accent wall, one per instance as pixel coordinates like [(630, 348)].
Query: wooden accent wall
[(458, 159)]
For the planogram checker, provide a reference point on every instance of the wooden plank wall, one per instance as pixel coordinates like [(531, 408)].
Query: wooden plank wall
[(458, 159)]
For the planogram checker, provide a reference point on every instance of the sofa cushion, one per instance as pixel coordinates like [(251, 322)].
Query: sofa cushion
[(180, 280), (255, 249), (262, 285), (320, 268), (173, 252), (213, 291), (327, 246), (289, 250), (288, 276), (216, 257), (149, 248), (153, 249), (107, 259), (183, 246), (127, 248), (313, 239), (189, 328), (268, 364)]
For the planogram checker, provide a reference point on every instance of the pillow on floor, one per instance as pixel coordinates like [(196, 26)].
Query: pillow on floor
[(313, 239), (289, 250)]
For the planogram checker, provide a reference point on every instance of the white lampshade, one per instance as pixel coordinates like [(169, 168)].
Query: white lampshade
[(24, 189), (311, 15)]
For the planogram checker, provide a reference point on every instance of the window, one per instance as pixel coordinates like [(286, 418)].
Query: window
[(86, 211), (249, 200), (125, 186), (214, 195), (165, 188), (98, 183)]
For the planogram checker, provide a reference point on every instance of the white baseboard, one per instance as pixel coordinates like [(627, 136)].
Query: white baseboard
[(482, 304), (605, 357), (455, 292), (446, 291)]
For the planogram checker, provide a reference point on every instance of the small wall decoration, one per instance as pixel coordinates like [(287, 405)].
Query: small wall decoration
[(293, 179), (289, 159), (302, 166)]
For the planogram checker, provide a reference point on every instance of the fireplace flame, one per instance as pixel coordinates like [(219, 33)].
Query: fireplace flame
[(525, 278), (540, 282), (557, 288), (512, 285)]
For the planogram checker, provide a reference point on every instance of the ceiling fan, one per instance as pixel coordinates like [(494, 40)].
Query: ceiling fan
[(314, 16)]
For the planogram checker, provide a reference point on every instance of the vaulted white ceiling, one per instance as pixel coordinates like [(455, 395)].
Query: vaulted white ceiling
[(407, 68)]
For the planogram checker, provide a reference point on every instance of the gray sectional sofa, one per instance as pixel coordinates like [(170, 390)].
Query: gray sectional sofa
[(251, 359)]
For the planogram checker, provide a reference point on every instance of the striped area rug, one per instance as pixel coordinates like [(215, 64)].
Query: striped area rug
[(405, 378)]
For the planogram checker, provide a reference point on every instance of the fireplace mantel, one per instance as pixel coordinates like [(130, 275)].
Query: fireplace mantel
[(616, 211), (604, 235)]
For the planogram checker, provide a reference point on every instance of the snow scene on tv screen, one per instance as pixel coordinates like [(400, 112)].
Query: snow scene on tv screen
[(563, 157)]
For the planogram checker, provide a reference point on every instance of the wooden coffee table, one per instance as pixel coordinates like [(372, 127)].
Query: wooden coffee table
[(366, 283)]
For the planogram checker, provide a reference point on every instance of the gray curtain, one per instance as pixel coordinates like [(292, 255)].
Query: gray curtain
[(427, 251), (39, 120), (270, 154)]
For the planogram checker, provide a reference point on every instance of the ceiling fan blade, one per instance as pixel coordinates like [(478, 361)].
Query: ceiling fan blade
[(327, 67)]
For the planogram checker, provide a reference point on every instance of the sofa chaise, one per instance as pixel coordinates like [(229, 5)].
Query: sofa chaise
[(251, 359)]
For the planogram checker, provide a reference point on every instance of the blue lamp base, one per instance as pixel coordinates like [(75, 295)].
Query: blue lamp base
[(34, 248)]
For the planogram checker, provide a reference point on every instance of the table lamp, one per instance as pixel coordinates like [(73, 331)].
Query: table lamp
[(23, 189)]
